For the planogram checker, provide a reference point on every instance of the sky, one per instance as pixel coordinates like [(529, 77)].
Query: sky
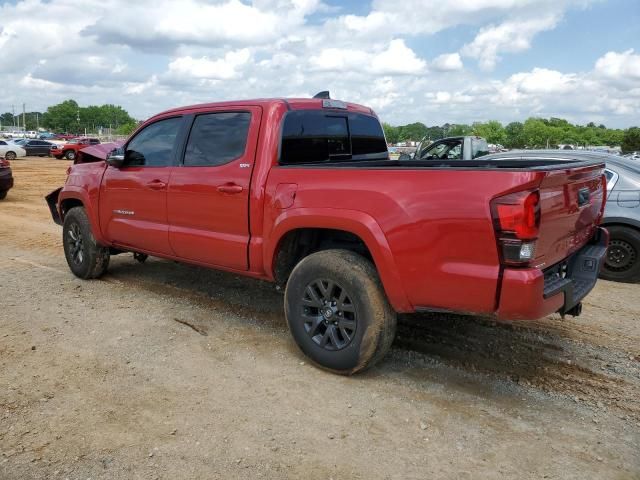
[(432, 61)]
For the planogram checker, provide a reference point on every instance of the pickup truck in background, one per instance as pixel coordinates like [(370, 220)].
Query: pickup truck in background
[(450, 148), (302, 192), (70, 149)]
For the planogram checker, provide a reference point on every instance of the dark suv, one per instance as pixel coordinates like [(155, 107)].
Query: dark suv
[(6, 178)]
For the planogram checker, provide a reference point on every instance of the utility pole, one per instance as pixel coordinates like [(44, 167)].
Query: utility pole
[(24, 117), (37, 123)]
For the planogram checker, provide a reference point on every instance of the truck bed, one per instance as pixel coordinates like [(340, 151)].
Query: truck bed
[(513, 162)]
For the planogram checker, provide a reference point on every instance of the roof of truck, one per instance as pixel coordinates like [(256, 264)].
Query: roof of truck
[(292, 103)]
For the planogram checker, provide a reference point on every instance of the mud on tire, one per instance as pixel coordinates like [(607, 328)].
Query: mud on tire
[(337, 311), (85, 257)]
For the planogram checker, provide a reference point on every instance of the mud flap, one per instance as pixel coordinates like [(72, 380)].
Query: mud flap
[(52, 201)]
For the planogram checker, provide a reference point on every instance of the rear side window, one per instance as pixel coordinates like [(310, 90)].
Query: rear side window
[(314, 136), (479, 147), (217, 138), (153, 146)]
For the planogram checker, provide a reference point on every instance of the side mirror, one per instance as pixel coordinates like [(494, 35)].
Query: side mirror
[(116, 157), (404, 157)]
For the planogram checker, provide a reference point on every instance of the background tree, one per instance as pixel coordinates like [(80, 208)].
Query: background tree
[(68, 116), (493, 131), (631, 140)]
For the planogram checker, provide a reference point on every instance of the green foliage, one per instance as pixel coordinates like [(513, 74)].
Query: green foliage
[(493, 131), (68, 116), (126, 129), (631, 140), (533, 133), (459, 130)]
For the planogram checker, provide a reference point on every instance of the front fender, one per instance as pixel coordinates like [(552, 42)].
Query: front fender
[(71, 192), (358, 223)]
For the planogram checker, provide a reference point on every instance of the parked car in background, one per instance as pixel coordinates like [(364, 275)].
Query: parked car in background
[(64, 136), (70, 149), (37, 148), (622, 218), (6, 178), (10, 150)]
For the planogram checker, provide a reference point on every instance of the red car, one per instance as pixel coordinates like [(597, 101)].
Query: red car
[(70, 149), (302, 192)]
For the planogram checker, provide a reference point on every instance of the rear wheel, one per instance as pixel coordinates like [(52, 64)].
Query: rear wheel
[(3, 194), (10, 155), (70, 155), (337, 311), (622, 263), (85, 257)]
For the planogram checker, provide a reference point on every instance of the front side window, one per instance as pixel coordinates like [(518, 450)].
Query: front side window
[(153, 146), (217, 138), (315, 136)]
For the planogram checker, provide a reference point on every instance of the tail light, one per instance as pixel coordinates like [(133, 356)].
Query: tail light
[(516, 220), (4, 162), (604, 199)]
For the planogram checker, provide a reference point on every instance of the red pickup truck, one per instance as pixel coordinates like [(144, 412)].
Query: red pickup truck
[(70, 149), (302, 192)]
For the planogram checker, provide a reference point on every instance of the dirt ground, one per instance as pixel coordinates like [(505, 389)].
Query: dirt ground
[(99, 379)]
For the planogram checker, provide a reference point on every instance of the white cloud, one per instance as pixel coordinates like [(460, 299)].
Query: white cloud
[(622, 67), (395, 59), (204, 68), (509, 37), (447, 62)]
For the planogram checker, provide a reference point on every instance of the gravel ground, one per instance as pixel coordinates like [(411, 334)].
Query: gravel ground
[(105, 379)]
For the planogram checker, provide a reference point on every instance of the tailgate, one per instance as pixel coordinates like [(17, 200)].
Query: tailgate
[(571, 205)]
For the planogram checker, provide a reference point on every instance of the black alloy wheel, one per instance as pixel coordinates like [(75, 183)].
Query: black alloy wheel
[(330, 317)]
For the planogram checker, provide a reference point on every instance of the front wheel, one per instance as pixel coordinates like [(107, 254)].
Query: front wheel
[(337, 311), (622, 263), (85, 257), (10, 155), (70, 155), (3, 194)]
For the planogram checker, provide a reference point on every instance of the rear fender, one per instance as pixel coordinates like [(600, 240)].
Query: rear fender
[(352, 221)]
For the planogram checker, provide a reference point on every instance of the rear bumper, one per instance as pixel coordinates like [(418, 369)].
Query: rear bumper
[(528, 294), (6, 180)]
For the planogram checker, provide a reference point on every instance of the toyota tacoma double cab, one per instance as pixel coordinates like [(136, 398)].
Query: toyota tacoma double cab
[(302, 192), (70, 149)]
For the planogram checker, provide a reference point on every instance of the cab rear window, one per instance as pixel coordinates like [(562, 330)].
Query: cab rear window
[(316, 136)]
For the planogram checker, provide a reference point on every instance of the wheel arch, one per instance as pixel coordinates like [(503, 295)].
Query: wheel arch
[(71, 197), (336, 228)]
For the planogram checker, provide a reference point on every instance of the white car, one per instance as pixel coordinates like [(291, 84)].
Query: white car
[(11, 151)]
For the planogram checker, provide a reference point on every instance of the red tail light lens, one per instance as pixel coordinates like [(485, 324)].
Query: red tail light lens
[(518, 213), (516, 219), (4, 163)]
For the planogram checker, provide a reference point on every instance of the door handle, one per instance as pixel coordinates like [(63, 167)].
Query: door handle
[(230, 188), (156, 185)]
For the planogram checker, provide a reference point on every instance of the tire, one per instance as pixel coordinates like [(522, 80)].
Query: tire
[(356, 328), (70, 155), (85, 257), (3, 194), (10, 155), (622, 263)]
